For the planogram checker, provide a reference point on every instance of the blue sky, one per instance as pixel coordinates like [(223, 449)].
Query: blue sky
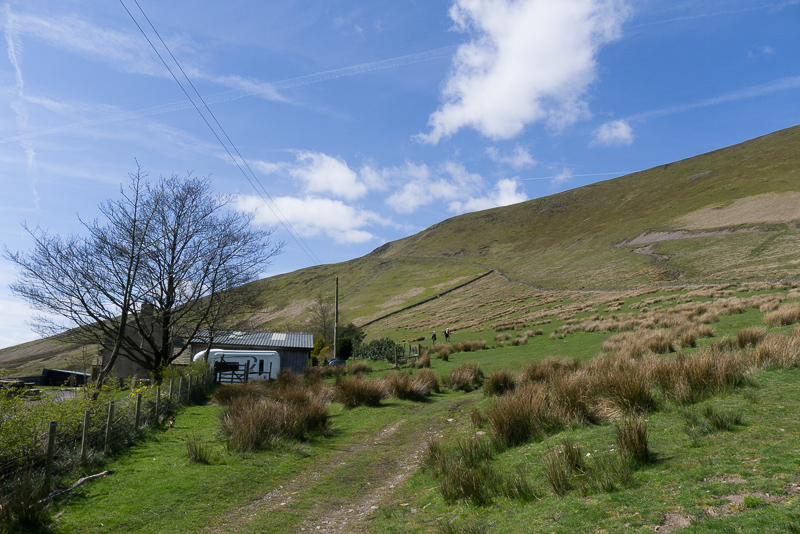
[(367, 121)]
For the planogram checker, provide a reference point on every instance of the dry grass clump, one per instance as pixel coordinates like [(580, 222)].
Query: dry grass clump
[(517, 341), (405, 386), (466, 377), (336, 371), (785, 315), (423, 361), (499, 383), (358, 368), (633, 442), (749, 337), (778, 351), (464, 471), (469, 346), (502, 337), (546, 369), (444, 353), (256, 421), (427, 381), (352, 392)]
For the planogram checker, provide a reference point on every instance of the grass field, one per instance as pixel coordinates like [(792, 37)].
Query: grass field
[(721, 462)]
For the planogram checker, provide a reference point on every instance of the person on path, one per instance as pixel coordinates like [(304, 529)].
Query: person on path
[(433, 338), (447, 335)]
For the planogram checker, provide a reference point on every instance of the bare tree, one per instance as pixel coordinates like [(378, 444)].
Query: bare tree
[(322, 318), (163, 266)]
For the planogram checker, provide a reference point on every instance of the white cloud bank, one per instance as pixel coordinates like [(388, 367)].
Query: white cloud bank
[(613, 133), (403, 189), (528, 61)]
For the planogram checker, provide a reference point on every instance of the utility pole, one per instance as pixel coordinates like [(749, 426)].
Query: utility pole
[(336, 321)]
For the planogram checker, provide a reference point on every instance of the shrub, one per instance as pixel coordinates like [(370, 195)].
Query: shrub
[(352, 392), (499, 383), (444, 353), (466, 377)]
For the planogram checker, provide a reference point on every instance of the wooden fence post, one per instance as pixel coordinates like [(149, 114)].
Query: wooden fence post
[(180, 389), (51, 449), (137, 412), (171, 380), (189, 390), (109, 422), (85, 436)]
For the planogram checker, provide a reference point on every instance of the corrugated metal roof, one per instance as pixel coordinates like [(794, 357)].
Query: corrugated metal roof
[(286, 340)]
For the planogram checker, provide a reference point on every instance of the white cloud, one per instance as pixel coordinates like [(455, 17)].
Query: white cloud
[(528, 61), (613, 133), (563, 176), (519, 159), (321, 173), (505, 193), (314, 217), (421, 186)]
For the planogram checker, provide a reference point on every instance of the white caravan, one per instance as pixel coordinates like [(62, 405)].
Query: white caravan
[(261, 364)]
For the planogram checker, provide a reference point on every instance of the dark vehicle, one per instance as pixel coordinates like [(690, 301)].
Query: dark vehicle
[(337, 363)]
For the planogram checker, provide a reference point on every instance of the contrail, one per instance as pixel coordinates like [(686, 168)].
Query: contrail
[(268, 90), (775, 86), (577, 175)]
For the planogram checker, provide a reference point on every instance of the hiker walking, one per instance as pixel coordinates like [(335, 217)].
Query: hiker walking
[(433, 338), (447, 335)]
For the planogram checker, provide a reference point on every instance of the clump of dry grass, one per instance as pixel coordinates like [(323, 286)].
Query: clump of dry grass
[(423, 361), (358, 368), (444, 353), (502, 337), (426, 381), (633, 441), (499, 383), (785, 315), (541, 370), (254, 422), (749, 337), (465, 377), (469, 346), (352, 392)]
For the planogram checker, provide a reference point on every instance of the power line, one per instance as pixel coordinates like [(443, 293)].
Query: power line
[(273, 207)]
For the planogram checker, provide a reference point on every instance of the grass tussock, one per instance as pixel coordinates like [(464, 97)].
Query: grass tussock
[(264, 415), (352, 392), (633, 442), (466, 377), (198, 451), (749, 337), (22, 508), (423, 361), (358, 368), (786, 314), (499, 383)]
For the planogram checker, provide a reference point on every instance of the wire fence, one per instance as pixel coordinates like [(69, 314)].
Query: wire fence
[(52, 438)]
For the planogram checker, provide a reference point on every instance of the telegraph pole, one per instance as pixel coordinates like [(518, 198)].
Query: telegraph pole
[(336, 320)]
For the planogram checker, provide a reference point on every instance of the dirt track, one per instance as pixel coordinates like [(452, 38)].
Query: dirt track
[(393, 454)]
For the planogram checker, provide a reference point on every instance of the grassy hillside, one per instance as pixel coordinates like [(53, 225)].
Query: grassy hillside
[(729, 215)]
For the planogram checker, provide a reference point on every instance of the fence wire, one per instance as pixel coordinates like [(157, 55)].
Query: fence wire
[(25, 423)]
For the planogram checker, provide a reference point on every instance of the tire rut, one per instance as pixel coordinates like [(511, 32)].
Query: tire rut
[(400, 454)]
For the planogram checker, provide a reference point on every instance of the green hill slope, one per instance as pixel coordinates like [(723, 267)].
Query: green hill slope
[(729, 215)]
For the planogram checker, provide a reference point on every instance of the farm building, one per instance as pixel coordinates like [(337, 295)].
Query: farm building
[(294, 349)]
